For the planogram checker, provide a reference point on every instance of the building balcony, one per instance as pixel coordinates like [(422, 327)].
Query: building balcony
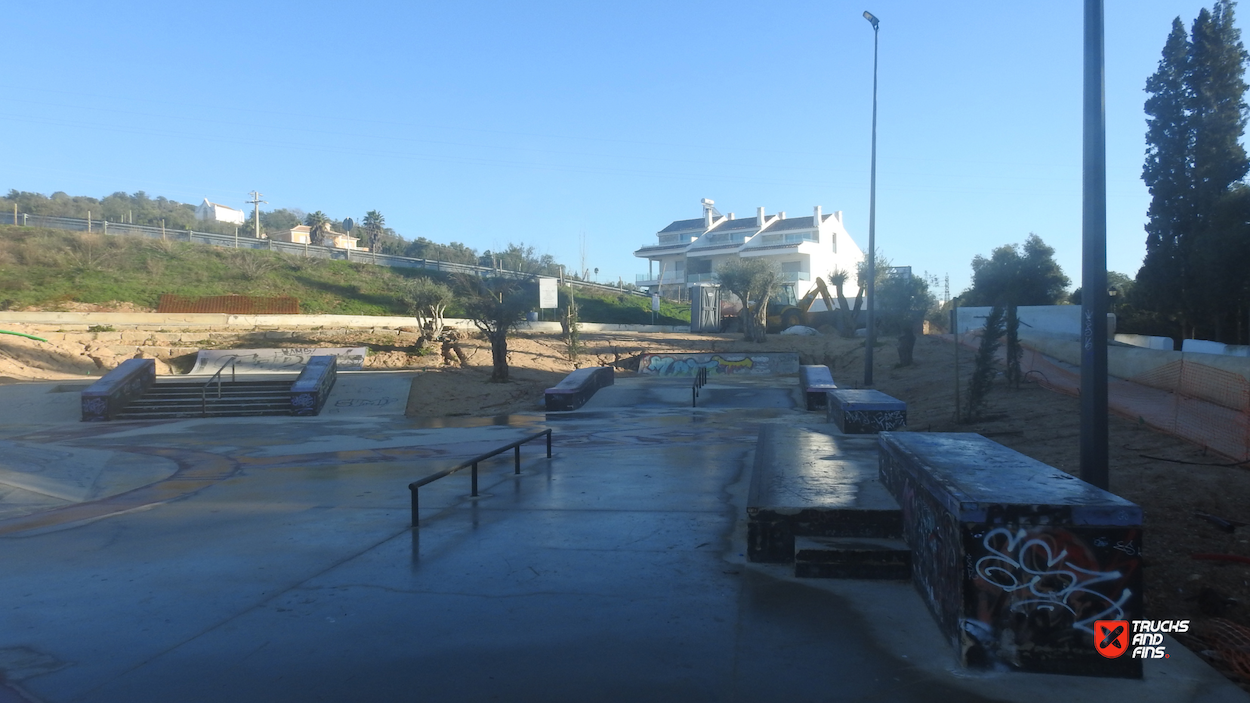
[(653, 279), (796, 276)]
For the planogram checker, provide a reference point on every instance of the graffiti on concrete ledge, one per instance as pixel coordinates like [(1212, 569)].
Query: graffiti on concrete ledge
[(684, 364), (1051, 570), (876, 420)]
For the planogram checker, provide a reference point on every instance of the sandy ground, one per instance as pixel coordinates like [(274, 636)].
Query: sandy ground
[(1171, 479)]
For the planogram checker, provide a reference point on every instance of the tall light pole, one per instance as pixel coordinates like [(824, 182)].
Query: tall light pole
[(871, 337), (1094, 431)]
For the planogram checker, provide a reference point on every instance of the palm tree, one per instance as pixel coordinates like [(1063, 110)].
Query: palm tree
[(319, 226), (373, 225)]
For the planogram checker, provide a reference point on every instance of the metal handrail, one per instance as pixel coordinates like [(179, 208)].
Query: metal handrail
[(700, 380), (204, 391), (515, 446)]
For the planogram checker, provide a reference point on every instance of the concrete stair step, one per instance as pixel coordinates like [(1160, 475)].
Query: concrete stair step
[(875, 558), (213, 398), (159, 414)]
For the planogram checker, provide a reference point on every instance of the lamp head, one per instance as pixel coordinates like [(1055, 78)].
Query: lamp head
[(869, 16)]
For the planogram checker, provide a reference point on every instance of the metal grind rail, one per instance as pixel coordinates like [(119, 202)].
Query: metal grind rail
[(209, 382), (515, 446), (700, 380)]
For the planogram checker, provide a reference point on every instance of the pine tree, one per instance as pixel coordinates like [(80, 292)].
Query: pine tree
[(1167, 173), (1197, 115)]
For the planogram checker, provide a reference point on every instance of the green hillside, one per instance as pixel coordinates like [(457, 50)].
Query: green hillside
[(48, 268)]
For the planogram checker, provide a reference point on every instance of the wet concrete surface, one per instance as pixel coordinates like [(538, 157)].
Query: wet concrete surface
[(279, 566)]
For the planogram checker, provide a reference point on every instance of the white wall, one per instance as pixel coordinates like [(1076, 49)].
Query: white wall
[(1147, 341), (1044, 319), (1202, 346)]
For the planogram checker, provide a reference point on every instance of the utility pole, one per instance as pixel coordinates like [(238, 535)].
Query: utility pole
[(256, 201)]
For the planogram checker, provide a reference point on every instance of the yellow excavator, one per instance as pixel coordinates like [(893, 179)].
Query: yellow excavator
[(785, 312)]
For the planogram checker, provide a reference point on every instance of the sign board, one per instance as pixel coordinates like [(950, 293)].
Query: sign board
[(271, 360), (547, 295), (655, 302), (348, 225)]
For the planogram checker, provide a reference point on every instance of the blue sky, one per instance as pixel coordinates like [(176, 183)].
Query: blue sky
[(549, 123)]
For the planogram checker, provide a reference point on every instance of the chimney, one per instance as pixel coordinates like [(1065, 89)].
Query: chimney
[(817, 219), (837, 215), (759, 217), (707, 213), (731, 215), (781, 215)]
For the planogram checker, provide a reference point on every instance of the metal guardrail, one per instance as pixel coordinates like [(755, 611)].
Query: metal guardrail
[(75, 224), (515, 446), (204, 391)]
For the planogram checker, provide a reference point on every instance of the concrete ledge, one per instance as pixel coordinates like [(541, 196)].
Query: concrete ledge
[(810, 484), (106, 397), (1015, 559), (577, 388), (816, 381), (313, 385), (865, 411)]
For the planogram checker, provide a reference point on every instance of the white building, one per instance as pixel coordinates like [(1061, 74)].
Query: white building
[(805, 248), (212, 212)]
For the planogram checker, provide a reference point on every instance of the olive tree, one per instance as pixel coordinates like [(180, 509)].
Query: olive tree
[(428, 300), (753, 281), (496, 306)]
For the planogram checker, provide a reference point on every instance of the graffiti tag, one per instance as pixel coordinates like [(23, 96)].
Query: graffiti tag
[(1042, 578)]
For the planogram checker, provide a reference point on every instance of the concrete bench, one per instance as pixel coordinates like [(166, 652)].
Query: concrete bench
[(1015, 559), (816, 381), (108, 396), (313, 385), (578, 387), (865, 411)]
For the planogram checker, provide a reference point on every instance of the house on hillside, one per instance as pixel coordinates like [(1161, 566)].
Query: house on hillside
[(338, 240), (299, 234), (687, 252), (302, 234), (213, 212)]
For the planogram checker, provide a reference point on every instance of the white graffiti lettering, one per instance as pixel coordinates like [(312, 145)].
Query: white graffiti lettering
[(1046, 580), (1128, 548)]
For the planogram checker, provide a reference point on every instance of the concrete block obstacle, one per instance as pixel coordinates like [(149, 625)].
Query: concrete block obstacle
[(105, 398), (816, 381), (865, 411), (819, 498), (313, 385), (1015, 559), (577, 388)]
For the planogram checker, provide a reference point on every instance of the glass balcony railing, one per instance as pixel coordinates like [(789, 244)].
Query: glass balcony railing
[(794, 276), (669, 277)]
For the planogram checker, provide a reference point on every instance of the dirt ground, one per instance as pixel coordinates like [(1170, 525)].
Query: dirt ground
[(1172, 480)]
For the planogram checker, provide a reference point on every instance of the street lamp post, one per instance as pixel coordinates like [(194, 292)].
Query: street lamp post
[(871, 337)]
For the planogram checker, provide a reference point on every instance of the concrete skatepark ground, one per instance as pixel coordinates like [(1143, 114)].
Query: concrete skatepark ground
[(265, 559)]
